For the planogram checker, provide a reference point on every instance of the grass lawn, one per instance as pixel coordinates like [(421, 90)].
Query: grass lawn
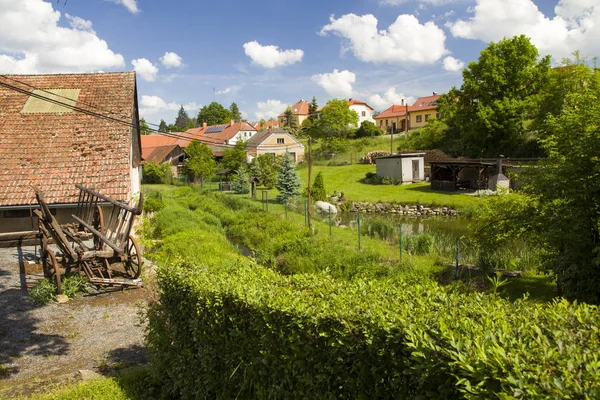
[(346, 178)]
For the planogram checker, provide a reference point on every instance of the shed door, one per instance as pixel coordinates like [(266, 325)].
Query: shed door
[(415, 169)]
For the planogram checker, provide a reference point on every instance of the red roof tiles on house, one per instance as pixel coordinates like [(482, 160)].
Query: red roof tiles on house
[(300, 108), (54, 150), (399, 110)]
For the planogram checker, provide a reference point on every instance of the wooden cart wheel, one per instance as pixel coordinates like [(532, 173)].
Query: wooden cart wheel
[(133, 264), (51, 268), (98, 224)]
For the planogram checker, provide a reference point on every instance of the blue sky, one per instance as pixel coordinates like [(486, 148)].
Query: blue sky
[(266, 54)]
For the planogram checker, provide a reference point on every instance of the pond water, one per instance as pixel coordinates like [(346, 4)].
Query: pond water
[(411, 225)]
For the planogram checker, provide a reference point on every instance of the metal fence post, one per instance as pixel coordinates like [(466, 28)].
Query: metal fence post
[(457, 248), (400, 230), (305, 212), (330, 229), (358, 220)]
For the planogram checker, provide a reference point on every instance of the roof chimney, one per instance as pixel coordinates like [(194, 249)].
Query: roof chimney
[(204, 125), (270, 129), (402, 102), (435, 93), (231, 122)]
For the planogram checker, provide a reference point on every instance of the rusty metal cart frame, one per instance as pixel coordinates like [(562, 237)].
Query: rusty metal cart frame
[(113, 244)]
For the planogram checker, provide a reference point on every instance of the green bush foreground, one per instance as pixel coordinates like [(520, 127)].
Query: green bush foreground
[(226, 327)]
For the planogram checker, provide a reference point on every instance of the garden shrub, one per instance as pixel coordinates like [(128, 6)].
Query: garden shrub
[(221, 331)]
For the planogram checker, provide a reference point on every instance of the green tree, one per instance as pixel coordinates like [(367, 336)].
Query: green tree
[(200, 161), (289, 119), (488, 115), (264, 169), (559, 209), (144, 128), (234, 158), (235, 112), (241, 184), (214, 114), (163, 126), (182, 121), (312, 109), (318, 188), (156, 173), (368, 129), (288, 181), (429, 137)]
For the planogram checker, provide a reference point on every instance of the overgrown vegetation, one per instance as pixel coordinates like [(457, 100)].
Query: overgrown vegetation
[(44, 291), (157, 173), (228, 326)]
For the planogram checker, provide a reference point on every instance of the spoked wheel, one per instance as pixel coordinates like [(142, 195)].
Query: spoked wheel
[(133, 263), (51, 268), (98, 224)]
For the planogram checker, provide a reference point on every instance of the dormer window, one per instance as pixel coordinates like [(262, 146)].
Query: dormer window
[(280, 140)]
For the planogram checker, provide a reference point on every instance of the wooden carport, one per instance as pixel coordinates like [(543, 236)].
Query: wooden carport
[(445, 175)]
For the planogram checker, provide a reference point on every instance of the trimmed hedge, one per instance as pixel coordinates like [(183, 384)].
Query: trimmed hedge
[(245, 331)]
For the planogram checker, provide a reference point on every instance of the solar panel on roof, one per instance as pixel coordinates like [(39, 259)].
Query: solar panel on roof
[(216, 128)]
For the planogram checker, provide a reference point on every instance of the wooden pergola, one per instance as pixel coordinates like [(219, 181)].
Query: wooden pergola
[(445, 175)]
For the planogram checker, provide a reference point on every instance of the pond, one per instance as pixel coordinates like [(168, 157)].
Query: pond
[(411, 225)]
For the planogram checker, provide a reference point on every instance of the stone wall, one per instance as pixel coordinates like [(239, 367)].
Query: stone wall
[(400, 209)]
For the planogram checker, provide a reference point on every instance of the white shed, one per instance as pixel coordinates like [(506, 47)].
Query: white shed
[(404, 167)]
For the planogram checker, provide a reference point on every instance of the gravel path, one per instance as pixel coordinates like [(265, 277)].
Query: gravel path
[(93, 332)]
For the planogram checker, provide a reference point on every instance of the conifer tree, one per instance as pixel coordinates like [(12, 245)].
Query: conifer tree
[(318, 188), (236, 115), (288, 181), (182, 121), (240, 184), (163, 126), (312, 109)]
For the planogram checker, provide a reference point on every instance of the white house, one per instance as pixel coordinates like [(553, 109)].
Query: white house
[(364, 111)]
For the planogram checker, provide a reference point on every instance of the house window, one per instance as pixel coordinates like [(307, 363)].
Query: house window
[(364, 113), (386, 122), (427, 117), (280, 141), (293, 155), (380, 122), (437, 115), (419, 118)]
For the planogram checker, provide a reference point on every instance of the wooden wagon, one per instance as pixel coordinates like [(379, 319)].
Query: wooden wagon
[(113, 258)]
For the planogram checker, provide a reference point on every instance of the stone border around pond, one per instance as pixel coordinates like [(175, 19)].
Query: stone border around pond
[(408, 209)]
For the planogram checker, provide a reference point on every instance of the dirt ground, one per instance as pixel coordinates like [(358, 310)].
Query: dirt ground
[(37, 343)]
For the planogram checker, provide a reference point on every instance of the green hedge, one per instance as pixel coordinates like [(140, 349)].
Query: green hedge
[(245, 331)]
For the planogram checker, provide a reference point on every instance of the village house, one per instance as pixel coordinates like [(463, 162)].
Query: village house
[(364, 111), (299, 111), (154, 151), (403, 117), (275, 141), (60, 130)]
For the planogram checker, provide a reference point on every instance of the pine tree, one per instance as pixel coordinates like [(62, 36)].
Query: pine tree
[(163, 126), (312, 109), (182, 121), (318, 191), (240, 184), (236, 115), (289, 119), (288, 181)]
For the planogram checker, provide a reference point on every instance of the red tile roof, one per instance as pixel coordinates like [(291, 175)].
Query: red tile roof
[(352, 102), (228, 132), (300, 108), (266, 125), (56, 150), (399, 110), (158, 154)]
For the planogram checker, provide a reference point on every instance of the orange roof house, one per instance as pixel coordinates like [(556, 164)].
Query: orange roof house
[(300, 111), (402, 117), (48, 140)]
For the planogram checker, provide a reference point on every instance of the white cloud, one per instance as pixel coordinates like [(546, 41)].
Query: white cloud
[(153, 105), (271, 56), (405, 41), (269, 109), (390, 97), (79, 23), (145, 69), (229, 90), (337, 83), (131, 5), (453, 64), (31, 41), (171, 60), (576, 25)]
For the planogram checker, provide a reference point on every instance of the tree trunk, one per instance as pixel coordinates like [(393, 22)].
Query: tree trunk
[(309, 181)]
